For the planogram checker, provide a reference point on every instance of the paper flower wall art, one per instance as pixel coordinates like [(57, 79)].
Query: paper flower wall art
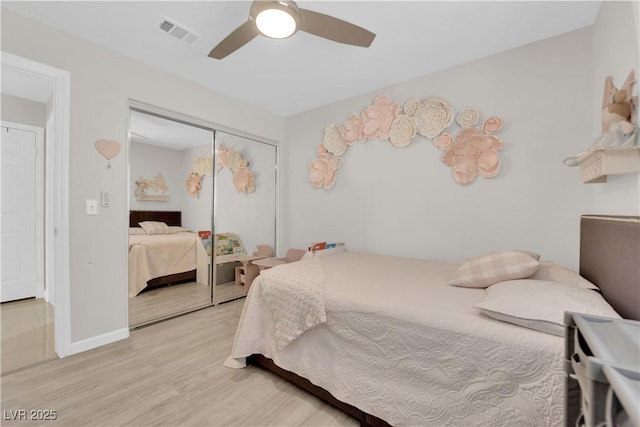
[(475, 152), (155, 185), (243, 179), (472, 152)]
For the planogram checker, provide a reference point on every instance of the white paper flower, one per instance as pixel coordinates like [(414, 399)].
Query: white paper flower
[(411, 106), (403, 130), (203, 165), (468, 117), (235, 160), (433, 116), (334, 140)]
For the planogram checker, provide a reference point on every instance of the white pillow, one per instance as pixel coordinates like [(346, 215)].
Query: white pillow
[(494, 267), (136, 231), (557, 273), (540, 304), (154, 227)]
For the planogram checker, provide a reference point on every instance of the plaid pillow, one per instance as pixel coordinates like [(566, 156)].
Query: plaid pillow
[(154, 227), (494, 267)]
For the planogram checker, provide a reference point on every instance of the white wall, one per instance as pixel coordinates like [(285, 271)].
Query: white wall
[(405, 201), (615, 53), (25, 111), (102, 82)]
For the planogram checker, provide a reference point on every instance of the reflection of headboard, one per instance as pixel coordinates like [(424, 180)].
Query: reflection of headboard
[(170, 217), (610, 258)]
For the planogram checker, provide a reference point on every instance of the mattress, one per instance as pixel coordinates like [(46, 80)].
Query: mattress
[(399, 343), (158, 255)]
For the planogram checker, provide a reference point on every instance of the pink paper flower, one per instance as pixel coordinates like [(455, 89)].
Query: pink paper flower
[(492, 124), (353, 129), (223, 156), (473, 153), (193, 182), (243, 180), (443, 141), (377, 118), (322, 172)]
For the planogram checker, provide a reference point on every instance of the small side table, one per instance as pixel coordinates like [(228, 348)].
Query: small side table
[(269, 262), (246, 274)]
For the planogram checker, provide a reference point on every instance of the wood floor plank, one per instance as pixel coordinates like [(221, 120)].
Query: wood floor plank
[(167, 374)]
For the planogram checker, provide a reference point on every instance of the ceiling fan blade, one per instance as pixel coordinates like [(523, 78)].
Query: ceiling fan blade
[(334, 29), (234, 41)]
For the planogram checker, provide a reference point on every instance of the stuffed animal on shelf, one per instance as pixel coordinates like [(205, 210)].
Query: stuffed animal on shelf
[(618, 105)]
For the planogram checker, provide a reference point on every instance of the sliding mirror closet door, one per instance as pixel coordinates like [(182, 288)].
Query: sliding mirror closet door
[(245, 212), (170, 202)]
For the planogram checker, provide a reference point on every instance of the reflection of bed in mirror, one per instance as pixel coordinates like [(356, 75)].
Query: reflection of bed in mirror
[(168, 256)]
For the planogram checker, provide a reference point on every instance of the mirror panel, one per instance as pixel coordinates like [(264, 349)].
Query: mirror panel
[(165, 277), (246, 216)]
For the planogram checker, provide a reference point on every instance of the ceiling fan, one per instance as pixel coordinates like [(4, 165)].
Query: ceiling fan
[(282, 19)]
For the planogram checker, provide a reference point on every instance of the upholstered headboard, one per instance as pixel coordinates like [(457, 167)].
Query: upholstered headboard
[(610, 258), (170, 217)]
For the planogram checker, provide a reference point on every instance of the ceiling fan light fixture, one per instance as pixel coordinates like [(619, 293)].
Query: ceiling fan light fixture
[(276, 23)]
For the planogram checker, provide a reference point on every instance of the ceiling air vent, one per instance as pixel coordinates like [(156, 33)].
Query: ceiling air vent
[(178, 31)]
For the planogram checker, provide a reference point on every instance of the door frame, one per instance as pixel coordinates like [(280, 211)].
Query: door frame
[(39, 180), (56, 193)]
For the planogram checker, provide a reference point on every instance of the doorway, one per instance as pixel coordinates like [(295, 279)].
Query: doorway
[(27, 334), (24, 78)]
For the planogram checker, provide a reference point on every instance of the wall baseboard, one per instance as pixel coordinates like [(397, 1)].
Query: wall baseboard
[(97, 341)]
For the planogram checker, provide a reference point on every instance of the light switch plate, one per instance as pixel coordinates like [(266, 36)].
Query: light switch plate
[(91, 207)]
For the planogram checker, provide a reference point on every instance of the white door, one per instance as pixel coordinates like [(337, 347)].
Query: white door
[(18, 214)]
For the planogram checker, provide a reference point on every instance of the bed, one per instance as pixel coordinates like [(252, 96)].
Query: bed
[(415, 350), (164, 257)]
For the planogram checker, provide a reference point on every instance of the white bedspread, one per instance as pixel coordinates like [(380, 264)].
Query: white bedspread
[(401, 344), (294, 294), (159, 255)]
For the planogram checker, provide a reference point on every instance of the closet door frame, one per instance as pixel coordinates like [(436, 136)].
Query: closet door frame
[(213, 127)]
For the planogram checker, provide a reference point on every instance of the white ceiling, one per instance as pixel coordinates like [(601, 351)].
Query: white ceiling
[(154, 130), (303, 72)]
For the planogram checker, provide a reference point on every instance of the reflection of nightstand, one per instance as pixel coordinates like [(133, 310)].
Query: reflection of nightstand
[(246, 274)]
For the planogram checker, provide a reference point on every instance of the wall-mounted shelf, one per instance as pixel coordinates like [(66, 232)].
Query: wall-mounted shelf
[(600, 163)]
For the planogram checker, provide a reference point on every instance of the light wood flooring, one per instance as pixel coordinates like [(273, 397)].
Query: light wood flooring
[(165, 301), (27, 333), (229, 291), (167, 374)]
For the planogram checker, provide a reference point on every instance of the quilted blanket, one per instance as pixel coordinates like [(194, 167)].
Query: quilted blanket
[(294, 294)]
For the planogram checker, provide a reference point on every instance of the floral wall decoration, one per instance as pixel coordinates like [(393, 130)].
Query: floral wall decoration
[(239, 167), (202, 166), (471, 152), (155, 185)]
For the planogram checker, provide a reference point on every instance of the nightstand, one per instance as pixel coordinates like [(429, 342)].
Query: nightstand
[(602, 361)]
